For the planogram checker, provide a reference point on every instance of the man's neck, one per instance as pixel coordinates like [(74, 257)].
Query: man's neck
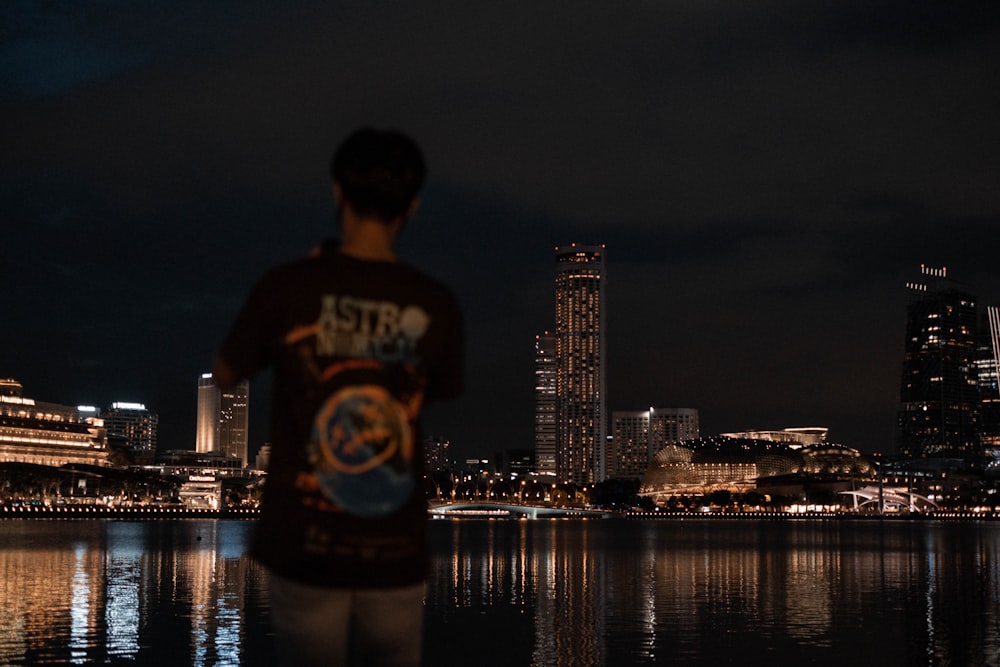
[(366, 238)]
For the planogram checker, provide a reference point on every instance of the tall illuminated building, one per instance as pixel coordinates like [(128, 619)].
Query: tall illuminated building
[(546, 404), (580, 364), (939, 392), (987, 366), (223, 419), (207, 425), (437, 454), (132, 426)]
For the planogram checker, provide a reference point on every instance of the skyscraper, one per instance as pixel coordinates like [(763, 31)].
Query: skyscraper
[(223, 419), (132, 426), (939, 393), (988, 365), (207, 425), (580, 364), (546, 403), (436, 454)]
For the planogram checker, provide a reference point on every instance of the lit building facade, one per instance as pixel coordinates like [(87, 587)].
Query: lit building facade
[(263, 459), (939, 393), (437, 454), (638, 436), (987, 366), (207, 424), (698, 467), (581, 415), (795, 437), (223, 419), (46, 433), (546, 404), (132, 426)]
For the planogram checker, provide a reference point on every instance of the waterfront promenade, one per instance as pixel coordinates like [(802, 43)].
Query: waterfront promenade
[(28, 511), (475, 509)]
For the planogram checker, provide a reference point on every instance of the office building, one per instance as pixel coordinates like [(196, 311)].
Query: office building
[(581, 394), (263, 459), (987, 366), (545, 404), (206, 426), (437, 454), (638, 436), (132, 427), (515, 463), (223, 419), (939, 392)]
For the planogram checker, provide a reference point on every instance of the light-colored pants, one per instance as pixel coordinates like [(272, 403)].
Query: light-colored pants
[(336, 626)]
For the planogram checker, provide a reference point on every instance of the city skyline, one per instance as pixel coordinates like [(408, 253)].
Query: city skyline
[(235, 415), (764, 177), (223, 418)]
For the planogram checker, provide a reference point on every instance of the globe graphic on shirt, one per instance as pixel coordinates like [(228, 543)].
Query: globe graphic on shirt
[(366, 451)]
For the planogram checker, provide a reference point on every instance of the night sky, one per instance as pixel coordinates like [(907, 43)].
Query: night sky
[(766, 177)]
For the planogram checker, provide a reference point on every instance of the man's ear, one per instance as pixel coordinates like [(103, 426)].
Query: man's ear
[(338, 194)]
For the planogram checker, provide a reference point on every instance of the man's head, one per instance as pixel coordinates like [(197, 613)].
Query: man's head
[(379, 173)]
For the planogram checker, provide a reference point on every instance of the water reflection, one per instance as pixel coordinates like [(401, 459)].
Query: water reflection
[(716, 592), (97, 592), (545, 592)]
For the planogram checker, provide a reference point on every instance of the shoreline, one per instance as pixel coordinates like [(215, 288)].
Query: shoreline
[(155, 513), (105, 512)]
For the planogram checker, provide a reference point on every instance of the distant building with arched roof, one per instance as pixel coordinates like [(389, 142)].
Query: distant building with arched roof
[(701, 466)]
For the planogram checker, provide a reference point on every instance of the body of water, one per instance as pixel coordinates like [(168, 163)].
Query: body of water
[(520, 592)]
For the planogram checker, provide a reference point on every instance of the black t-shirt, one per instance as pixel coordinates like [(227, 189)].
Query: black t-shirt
[(357, 347)]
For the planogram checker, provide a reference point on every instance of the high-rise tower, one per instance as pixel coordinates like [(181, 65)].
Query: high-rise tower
[(223, 419), (939, 393), (580, 364), (132, 426), (546, 403), (988, 365), (207, 425)]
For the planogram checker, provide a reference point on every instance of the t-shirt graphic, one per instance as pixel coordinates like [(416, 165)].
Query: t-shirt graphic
[(361, 447), (365, 451)]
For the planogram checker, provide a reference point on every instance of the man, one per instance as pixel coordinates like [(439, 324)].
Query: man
[(359, 342)]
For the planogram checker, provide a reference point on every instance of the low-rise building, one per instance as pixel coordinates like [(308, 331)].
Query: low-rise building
[(47, 433)]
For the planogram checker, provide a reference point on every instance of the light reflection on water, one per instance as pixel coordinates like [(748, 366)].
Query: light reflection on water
[(715, 592), (107, 592), (545, 592)]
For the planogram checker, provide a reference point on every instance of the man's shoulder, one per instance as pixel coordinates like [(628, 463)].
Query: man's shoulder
[(293, 271)]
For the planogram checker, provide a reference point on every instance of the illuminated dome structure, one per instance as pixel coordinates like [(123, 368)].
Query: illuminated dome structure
[(738, 464), (830, 459)]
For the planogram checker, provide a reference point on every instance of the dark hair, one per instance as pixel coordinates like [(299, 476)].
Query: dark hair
[(379, 172)]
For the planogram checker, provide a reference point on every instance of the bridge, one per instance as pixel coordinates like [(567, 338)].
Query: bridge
[(483, 508)]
